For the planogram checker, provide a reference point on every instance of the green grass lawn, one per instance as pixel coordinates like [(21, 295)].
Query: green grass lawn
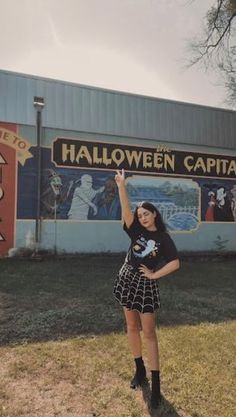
[(64, 350)]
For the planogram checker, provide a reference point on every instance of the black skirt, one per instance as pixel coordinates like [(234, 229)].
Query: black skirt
[(135, 292)]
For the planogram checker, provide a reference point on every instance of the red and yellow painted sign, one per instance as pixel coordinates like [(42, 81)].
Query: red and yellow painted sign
[(8, 169), (16, 142), (13, 148)]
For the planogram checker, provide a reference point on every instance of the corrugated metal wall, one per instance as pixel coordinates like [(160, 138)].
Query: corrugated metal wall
[(86, 109)]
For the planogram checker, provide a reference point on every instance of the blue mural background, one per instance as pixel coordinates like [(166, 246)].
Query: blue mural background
[(86, 194), (178, 200)]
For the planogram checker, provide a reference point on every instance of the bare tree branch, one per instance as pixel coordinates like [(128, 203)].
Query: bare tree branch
[(226, 29), (216, 48)]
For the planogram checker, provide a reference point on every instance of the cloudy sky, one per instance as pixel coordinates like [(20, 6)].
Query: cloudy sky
[(138, 46)]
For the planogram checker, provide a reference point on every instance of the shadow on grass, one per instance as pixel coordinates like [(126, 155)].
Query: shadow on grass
[(61, 298), (165, 409)]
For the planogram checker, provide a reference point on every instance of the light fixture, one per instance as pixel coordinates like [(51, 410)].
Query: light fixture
[(39, 102)]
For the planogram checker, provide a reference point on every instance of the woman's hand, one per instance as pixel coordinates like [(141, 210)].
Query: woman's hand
[(127, 215), (120, 178), (165, 270), (147, 273)]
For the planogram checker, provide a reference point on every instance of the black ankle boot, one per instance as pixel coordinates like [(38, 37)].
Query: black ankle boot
[(139, 379), (156, 392), (140, 374), (155, 401)]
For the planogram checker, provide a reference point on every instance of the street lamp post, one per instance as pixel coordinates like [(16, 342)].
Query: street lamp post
[(39, 105)]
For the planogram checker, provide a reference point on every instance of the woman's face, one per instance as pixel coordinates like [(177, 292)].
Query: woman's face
[(146, 218)]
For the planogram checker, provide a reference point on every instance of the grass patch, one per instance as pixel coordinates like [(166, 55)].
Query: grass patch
[(64, 351)]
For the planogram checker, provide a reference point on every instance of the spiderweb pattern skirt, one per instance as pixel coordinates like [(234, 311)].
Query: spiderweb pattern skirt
[(135, 292)]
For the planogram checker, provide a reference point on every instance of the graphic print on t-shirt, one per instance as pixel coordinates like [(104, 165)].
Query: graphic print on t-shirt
[(143, 247), (149, 248)]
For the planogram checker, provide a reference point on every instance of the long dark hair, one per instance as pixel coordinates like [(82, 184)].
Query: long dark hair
[(159, 223)]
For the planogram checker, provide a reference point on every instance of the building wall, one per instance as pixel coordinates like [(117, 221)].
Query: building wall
[(180, 156), (81, 108)]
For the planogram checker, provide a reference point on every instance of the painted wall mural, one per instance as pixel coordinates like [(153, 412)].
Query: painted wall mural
[(86, 193), (218, 200), (178, 200), (80, 196), (77, 183), (68, 194)]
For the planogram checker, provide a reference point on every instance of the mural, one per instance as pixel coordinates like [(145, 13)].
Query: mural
[(77, 183), (67, 194), (218, 200), (82, 194), (54, 195), (177, 200), (78, 195)]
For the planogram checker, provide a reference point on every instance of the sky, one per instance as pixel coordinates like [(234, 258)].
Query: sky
[(136, 46)]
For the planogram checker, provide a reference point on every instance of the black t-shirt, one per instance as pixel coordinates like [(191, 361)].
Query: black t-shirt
[(149, 248)]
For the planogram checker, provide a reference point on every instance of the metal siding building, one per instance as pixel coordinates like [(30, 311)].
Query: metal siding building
[(80, 108), (110, 117)]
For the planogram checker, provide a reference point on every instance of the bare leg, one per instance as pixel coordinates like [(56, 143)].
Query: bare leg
[(133, 331), (149, 330)]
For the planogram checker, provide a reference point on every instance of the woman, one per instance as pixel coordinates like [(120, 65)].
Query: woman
[(136, 287)]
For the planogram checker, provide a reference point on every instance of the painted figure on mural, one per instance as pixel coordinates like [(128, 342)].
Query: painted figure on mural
[(209, 216), (233, 201), (220, 205), (108, 203), (83, 199), (223, 208), (54, 194)]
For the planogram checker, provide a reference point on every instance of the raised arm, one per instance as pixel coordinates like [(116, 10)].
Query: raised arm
[(127, 214)]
